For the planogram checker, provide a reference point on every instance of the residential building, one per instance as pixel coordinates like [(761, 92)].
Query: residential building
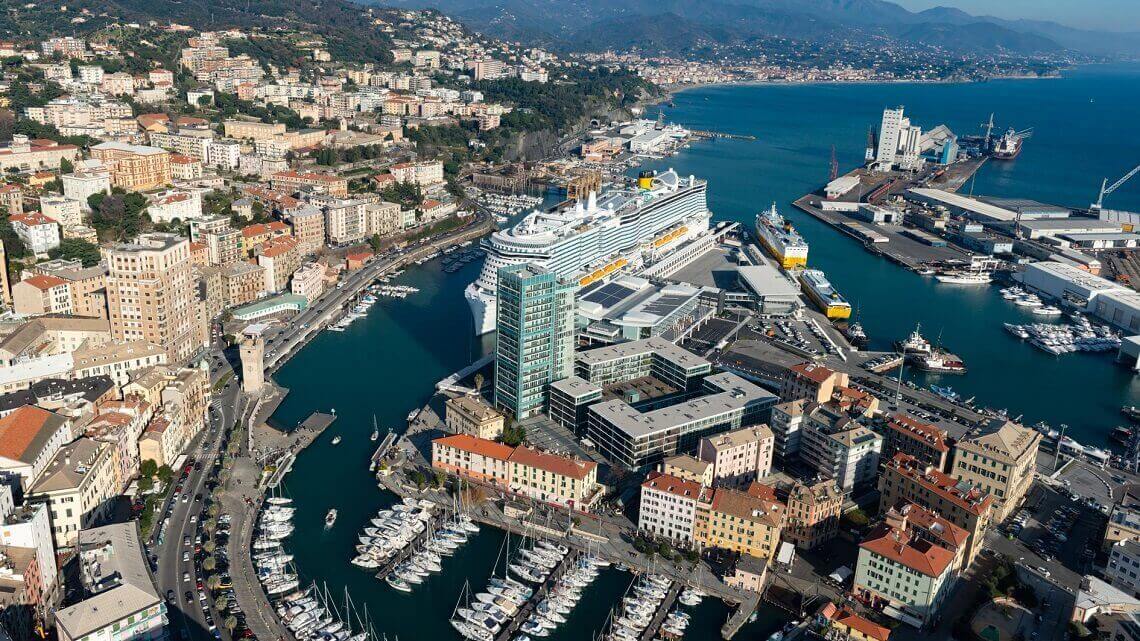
[(243, 283), (739, 457), (87, 285), (308, 228), (741, 522), (1123, 567), (66, 211), (39, 233), (535, 342), (840, 448), (293, 181), (175, 204), (669, 506), (786, 425), (308, 281), (424, 174), (1000, 461), (905, 576), (689, 468), (150, 293), (122, 603), (90, 177), (134, 167), (905, 479), (540, 476), (842, 624), (29, 526), (1124, 518), (925, 442), (812, 382), (346, 220), (255, 235), (931, 526), (30, 437), (813, 514), (280, 259), (26, 155), (470, 415), (38, 295), (78, 486)]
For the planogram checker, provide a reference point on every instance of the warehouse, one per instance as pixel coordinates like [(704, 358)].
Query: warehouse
[(772, 292), (1034, 229), (1067, 283)]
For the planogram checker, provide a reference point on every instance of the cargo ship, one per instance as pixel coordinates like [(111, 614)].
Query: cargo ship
[(1008, 146), (823, 295), (780, 239)]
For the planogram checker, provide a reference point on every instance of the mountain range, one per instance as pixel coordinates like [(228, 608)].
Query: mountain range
[(672, 25)]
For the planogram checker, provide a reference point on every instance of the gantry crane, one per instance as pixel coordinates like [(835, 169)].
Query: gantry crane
[(1106, 189)]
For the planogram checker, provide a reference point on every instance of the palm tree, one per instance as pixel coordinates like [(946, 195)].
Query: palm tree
[(213, 582), (221, 602), (209, 546), (208, 564), (230, 623), (478, 382)]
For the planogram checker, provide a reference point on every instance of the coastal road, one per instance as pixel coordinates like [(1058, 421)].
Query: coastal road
[(186, 617)]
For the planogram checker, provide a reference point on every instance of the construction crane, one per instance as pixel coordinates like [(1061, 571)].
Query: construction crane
[(1106, 189), (989, 129)]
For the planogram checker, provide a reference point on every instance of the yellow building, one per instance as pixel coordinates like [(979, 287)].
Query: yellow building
[(999, 461), (469, 415), (134, 167), (741, 522), (554, 479)]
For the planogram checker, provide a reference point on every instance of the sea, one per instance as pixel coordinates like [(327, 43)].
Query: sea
[(387, 363)]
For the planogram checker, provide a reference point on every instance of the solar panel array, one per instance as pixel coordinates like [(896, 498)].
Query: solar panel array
[(665, 305), (609, 294)]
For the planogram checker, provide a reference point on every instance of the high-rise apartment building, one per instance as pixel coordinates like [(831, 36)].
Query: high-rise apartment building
[(535, 344), (150, 292)]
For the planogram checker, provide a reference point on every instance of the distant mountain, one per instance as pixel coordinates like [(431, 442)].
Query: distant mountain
[(599, 24)]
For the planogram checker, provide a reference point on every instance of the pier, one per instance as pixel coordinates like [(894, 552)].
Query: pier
[(430, 528), (662, 612), (698, 133), (389, 440), (540, 593)]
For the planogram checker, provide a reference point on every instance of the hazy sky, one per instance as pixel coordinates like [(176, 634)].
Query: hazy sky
[(1116, 15)]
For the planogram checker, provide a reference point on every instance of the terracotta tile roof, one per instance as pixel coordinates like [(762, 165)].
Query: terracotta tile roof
[(475, 445), (761, 491), (748, 507), (32, 218), (930, 521), (919, 430), (899, 546), (851, 620), (561, 465), (962, 495), (812, 372), (44, 282), (277, 246), (26, 431), (673, 485)]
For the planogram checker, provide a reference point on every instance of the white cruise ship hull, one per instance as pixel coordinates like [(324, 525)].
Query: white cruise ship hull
[(483, 309)]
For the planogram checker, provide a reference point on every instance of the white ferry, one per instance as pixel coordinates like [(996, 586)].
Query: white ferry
[(624, 228), (781, 240)]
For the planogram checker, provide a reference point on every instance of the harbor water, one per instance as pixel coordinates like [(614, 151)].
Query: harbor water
[(387, 363)]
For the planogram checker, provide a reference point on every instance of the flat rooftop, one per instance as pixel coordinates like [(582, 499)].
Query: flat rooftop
[(654, 345), (765, 280)]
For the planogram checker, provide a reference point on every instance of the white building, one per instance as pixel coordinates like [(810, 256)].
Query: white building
[(68, 212), (175, 204), (1123, 568), (39, 233), (840, 448), (420, 173), (668, 507), (899, 142), (90, 178)]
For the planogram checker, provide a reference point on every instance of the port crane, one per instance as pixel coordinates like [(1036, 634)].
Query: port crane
[(1106, 189)]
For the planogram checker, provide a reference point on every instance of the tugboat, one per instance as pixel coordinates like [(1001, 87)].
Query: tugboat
[(856, 335), (1132, 412), (914, 344), (940, 362)]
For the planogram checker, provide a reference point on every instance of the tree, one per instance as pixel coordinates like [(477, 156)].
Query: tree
[(213, 582), (77, 249), (146, 483), (230, 623), (148, 467), (514, 435), (478, 381), (209, 546), (376, 243), (165, 474), (66, 166), (221, 603), (209, 563)]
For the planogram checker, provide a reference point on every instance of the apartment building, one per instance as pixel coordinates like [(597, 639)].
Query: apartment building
[(423, 174), (134, 167), (88, 285), (39, 233), (253, 236), (739, 457), (279, 258), (1123, 567), (470, 415), (1124, 518), (89, 178), (813, 513), (905, 576), (840, 448), (308, 228), (150, 293), (77, 486), (37, 295), (1000, 461), (540, 476), (905, 479), (68, 212), (29, 440), (308, 281), (812, 382), (741, 522), (668, 507), (243, 283), (786, 424), (690, 468), (293, 181), (925, 442), (27, 155)]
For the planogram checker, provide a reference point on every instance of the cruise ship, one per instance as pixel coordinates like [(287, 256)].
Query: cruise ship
[(780, 239), (820, 291), (623, 229)]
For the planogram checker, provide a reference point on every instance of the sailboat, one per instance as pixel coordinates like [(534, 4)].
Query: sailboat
[(375, 430)]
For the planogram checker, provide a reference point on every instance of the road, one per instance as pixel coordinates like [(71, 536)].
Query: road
[(186, 617)]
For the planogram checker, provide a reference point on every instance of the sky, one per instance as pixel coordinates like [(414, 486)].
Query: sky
[(1114, 15)]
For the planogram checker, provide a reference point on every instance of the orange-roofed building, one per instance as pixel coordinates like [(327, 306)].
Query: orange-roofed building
[(473, 458), (924, 441), (812, 382), (29, 438), (905, 479), (552, 478), (254, 235), (742, 522), (844, 625), (669, 507), (357, 259), (42, 294), (903, 574)]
